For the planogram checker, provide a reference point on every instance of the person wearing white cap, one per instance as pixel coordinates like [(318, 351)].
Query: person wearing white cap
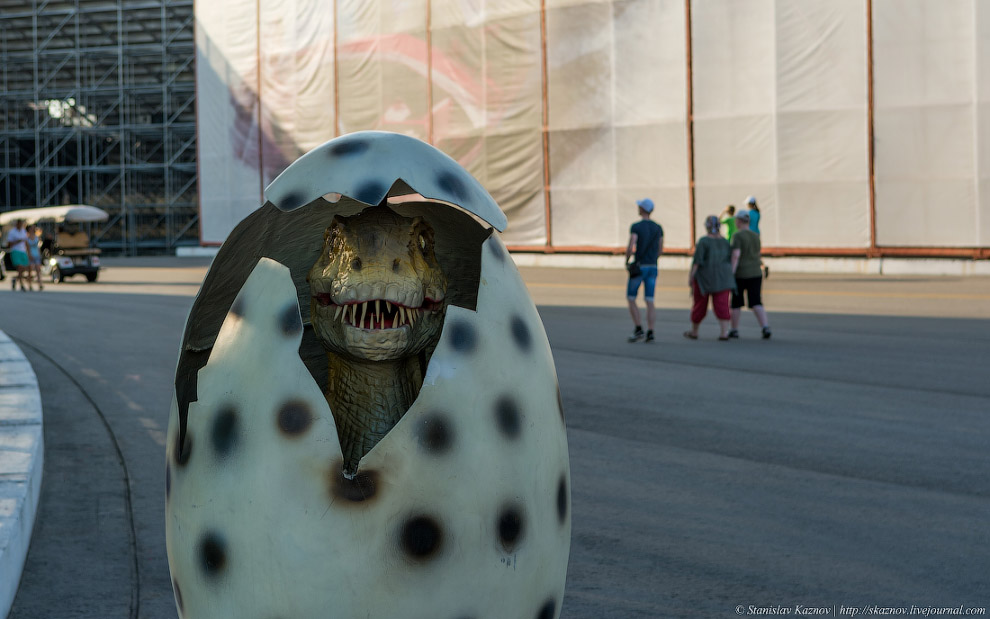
[(754, 214), (754, 225), (645, 245)]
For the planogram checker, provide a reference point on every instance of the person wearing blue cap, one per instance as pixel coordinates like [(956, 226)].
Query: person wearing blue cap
[(645, 246)]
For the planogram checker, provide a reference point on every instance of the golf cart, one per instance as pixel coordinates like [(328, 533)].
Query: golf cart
[(66, 249)]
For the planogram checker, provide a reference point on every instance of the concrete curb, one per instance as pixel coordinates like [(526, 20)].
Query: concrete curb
[(808, 265), (21, 458)]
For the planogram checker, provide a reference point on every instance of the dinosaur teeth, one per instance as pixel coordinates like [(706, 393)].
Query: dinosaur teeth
[(372, 314)]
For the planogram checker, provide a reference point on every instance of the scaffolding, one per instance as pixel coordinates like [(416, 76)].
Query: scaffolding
[(97, 106)]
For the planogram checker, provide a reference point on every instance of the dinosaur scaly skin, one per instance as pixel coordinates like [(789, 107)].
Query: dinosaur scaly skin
[(377, 306)]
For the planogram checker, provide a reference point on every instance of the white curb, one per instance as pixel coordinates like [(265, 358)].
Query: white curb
[(21, 457)]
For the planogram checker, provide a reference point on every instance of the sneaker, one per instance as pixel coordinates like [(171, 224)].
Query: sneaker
[(766, 272), (734, 334), (649, 336), (637, 335), (766, 333)]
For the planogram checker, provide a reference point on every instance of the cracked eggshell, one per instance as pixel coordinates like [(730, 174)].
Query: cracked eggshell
[(366, 164), (461, 510)]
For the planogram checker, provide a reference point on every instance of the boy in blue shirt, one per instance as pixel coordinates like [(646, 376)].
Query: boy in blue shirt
[(646, 244)]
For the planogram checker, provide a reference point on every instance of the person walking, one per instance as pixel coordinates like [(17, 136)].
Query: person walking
[(34, 253), (754, 225), (728, 221), (749, 278), (17, 246), (711, 278), (645, 246)]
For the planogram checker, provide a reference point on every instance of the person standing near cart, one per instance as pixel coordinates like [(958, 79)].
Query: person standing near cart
[(17, 240), (34, 253), (645, 246)]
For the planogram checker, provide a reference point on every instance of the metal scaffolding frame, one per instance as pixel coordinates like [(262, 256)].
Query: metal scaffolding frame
[(97, 106)]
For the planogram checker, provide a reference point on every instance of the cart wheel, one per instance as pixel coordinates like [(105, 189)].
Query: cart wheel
[(57, 276), (91, 277)]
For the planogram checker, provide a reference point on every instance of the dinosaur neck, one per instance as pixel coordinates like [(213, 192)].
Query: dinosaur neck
[(367, 399)]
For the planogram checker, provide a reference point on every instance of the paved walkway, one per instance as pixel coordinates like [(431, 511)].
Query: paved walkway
[(843, 462)]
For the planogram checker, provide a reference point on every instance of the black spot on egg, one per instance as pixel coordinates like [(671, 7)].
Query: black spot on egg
[(358, 489), (520, 334), (212, 554), (292, 200), (560, 404), (238, 307), (289, 320), (356, 264), (183, 449), (452, 184), (349, 148), (224, 433), (435, 433), (547, 610), (463, 337), (168, 480), (562, 499), (294, 418), (370, 192), (421, 538), (396, 265), (507, 417), (178, 596), (510, 526)]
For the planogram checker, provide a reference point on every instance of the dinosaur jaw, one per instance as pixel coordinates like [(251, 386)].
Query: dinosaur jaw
[(375, 329)]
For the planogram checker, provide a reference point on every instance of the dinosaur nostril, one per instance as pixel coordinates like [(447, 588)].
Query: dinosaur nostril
[(395, 265), (356, 264)]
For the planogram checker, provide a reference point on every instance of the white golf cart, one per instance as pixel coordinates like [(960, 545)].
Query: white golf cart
[(66, 249)]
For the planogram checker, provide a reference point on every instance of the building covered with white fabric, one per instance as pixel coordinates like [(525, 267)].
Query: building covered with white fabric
[(862, 127)]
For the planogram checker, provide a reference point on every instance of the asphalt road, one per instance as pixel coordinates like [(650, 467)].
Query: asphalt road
[(845, 462)]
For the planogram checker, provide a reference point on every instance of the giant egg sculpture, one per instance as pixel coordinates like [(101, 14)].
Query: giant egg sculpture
[(366, 420)]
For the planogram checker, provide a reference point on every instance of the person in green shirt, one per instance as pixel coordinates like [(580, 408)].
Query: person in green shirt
[(728, 220), (749, 277)]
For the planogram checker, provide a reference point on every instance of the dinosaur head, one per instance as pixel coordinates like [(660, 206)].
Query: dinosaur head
[(377, 289)]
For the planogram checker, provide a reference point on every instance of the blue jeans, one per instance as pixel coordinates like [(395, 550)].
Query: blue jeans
[(648, 277)]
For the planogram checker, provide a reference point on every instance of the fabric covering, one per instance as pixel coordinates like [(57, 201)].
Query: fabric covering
[(230, 182), (931, 122), (779, 99)]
